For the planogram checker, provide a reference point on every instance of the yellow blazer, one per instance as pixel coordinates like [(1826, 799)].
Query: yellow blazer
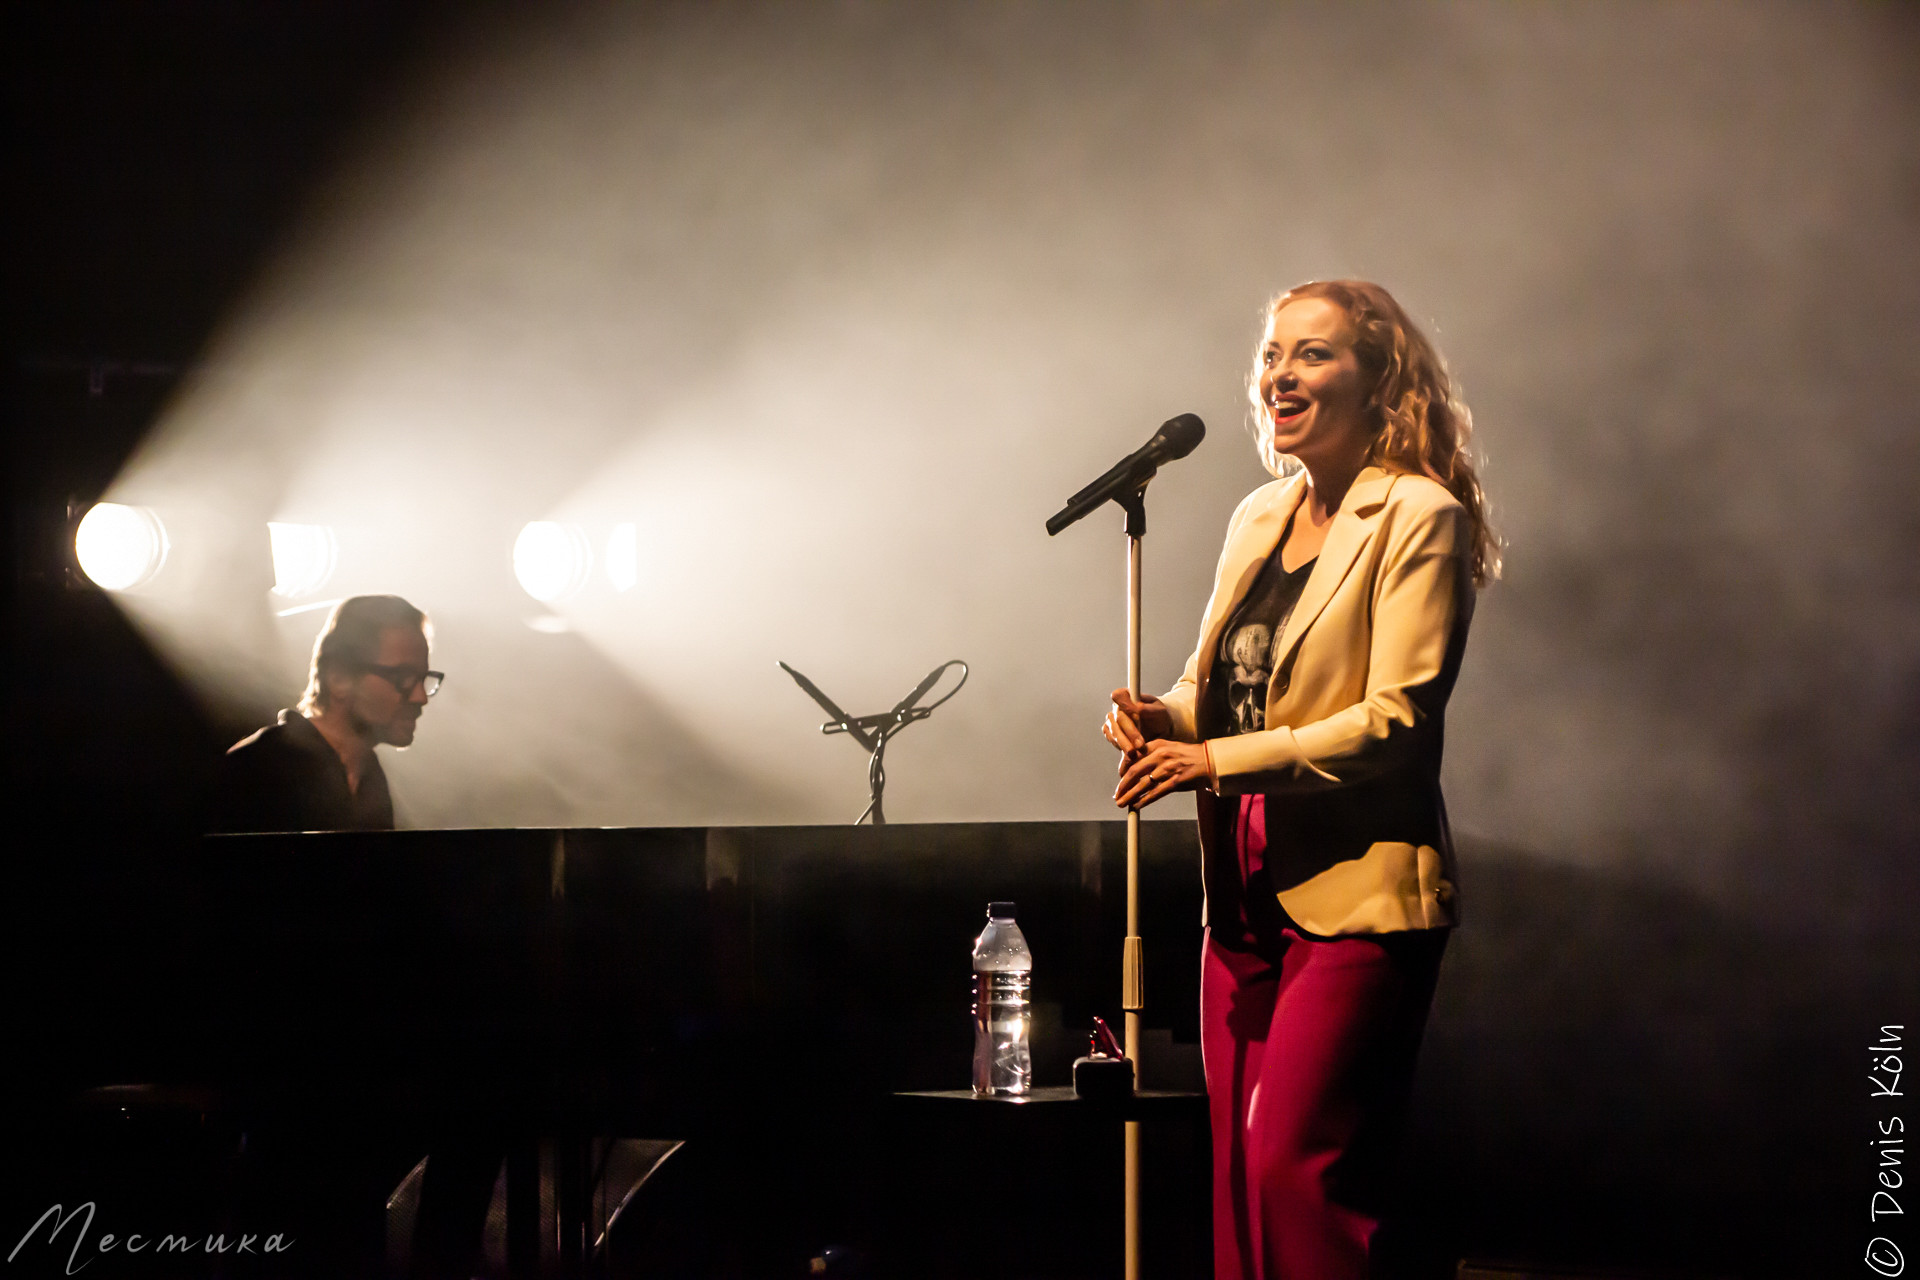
[(1357, 838)]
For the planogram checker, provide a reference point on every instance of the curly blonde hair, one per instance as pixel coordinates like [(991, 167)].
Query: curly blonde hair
[(1423, 426)]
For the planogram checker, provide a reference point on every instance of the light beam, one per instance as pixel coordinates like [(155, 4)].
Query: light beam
[(304, 557), (120, 547), (551, 560)]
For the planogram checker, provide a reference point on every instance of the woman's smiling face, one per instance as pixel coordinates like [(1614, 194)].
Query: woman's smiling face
[(1312, 385)]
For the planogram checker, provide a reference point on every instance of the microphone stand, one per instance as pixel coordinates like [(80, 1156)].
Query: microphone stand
[(1133, 984), (875, 731), (1126, 484)]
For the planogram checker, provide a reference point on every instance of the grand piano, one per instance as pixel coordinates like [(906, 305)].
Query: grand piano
[(764, 994)]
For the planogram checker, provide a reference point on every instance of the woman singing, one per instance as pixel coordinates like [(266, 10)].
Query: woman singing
[(1310, 721)]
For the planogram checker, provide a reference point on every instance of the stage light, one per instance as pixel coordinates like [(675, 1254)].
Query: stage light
[(551, 560), (120, 547), (304, 556), (623, 557)]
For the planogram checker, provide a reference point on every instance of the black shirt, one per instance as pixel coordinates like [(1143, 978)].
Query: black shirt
[(287, 777), (1243, 666), (1242, 908)]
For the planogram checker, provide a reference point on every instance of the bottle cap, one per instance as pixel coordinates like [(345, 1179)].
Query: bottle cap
[(999, 911)]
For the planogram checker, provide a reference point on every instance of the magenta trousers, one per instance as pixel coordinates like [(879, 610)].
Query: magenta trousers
[(1309, 1045)]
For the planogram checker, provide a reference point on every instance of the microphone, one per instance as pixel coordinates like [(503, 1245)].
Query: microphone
[(1176, 438)]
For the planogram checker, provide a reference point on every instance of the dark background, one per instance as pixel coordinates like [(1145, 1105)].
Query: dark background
[(1648, 1047), (158, 153)]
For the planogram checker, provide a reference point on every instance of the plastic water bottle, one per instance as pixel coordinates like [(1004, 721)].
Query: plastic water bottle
[(1002, 1016)]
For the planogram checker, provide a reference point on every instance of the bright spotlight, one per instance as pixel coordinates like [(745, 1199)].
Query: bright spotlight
[(623, 557), (551, 560), (120, 547), (304, 556)]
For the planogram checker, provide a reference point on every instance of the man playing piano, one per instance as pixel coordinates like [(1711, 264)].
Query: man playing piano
[(315, 770)]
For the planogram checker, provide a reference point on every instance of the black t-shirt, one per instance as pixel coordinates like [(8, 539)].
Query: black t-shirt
[(1243, 911), (1237, 691), (287, 777)]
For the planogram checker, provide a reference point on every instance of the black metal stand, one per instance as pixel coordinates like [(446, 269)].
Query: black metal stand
[(874, 732)]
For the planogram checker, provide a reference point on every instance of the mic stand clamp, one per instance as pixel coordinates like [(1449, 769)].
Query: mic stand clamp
[(1135, 505)]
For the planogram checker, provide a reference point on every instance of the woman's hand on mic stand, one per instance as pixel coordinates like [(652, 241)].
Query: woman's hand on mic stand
[(1132, 722), (1159, 769), (1152, 765)]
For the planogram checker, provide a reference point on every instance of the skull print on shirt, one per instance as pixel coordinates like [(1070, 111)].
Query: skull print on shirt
[(1244, 665)]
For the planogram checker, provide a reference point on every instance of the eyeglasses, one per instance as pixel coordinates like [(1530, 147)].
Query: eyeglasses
[(403, 679)]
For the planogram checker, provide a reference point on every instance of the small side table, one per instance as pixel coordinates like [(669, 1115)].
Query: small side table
[(1144, 1104), (1060, 1103)]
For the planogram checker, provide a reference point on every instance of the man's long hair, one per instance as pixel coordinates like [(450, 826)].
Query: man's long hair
[(351, 640), (1423, 426)]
